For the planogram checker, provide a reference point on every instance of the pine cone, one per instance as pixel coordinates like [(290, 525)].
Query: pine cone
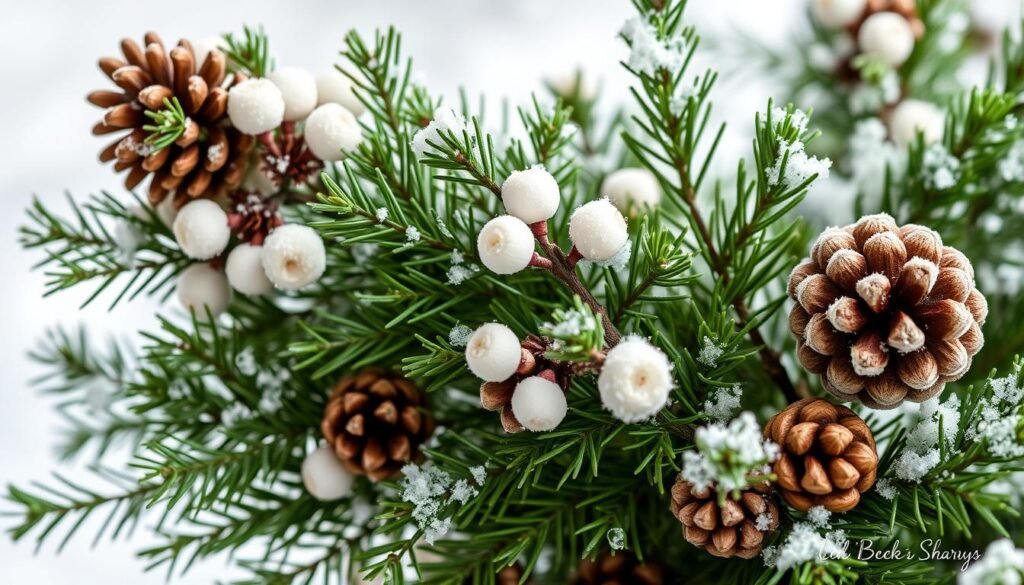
[(376, 422), (828, 455), (620, 568), (252, 217), (885, 313), (729, 530), (207, 160), (506, 576)]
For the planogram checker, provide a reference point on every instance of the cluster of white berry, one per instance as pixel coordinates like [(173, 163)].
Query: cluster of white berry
[(888, 36), (531, 197), (634, 381), (291, 256), (325, 105)]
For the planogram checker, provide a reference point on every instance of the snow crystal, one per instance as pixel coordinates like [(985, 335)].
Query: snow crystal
[(445, 120), (382, 214), (677, 105), (479, 474), (648, 53), (798, 118), (940, 167), (412, 234), (999, 418), (727, 454), (913, 466), (725, 403), (925, 434), (245, 361), (1001, 434), (235, 413), (459, 335), (1002, 564), (430, 490), (819, 516), (803, 544), (457, 257), (272, 400), (871, 153), (459, 273), (885, 488), (799, 166), (213, 153), (1006, 390), (573, 323), (710, 352), (870, 98), (617, 538), (763, 521)]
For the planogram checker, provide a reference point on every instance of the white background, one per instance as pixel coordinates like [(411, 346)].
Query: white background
[(49, 49)]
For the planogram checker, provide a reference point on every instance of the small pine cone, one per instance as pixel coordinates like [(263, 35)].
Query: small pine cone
[(497, 396), (618, 569), (730, 530), (209, 158), (828, 455), (288, 159), (506, 576), (885, 313), (377, 423), (251, 217)]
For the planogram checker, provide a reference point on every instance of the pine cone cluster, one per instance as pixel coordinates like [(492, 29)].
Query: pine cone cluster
[(736, 528), (209, 158), (498, 395), (252, 217), (621, 568), (885, 313), (828, 455), (376, 421)]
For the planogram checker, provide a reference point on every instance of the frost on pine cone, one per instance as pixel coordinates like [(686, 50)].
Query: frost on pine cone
[(736, 528), (885, 313), (376, 422), (828, 455), (619, 568), (208, 158)]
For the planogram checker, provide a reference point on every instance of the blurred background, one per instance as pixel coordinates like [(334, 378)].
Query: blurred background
[(492, 47)]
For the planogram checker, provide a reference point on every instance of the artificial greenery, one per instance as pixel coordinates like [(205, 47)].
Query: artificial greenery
[(218, 413)]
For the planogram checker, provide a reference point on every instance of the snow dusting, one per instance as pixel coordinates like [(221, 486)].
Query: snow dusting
[(724, 404)]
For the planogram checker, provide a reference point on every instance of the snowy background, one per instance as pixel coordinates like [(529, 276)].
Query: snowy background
[(50, 48)]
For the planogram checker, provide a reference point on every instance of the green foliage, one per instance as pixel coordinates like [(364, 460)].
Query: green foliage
[(217, 414), (168, 124)]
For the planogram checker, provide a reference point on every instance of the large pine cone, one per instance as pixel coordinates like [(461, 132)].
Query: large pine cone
[(730, 530), (621, 568), (885, 313), (209, 159), (377, 423), (828, 455)]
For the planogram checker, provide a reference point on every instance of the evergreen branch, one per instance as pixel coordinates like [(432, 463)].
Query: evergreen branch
[(249, 55)]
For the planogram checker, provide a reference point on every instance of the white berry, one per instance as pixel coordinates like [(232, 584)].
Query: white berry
[(255, 106), (200, 286), (913, 116), (632, 188), (887, 36), (201, 229), (331, 131), (298, 88), (505, 245), (293, 256), (838, 13), (538, 404), (334, 87), (324, 476), (493, 352), (635, 380), (245, 270), (531, 195), (598, 230)]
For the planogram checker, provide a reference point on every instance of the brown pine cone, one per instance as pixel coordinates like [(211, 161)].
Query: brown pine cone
[(730, 530), (621, 568), (209, 158), (506, 576), (885, 313), (252, 217), (828, 455), (376, 420)]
